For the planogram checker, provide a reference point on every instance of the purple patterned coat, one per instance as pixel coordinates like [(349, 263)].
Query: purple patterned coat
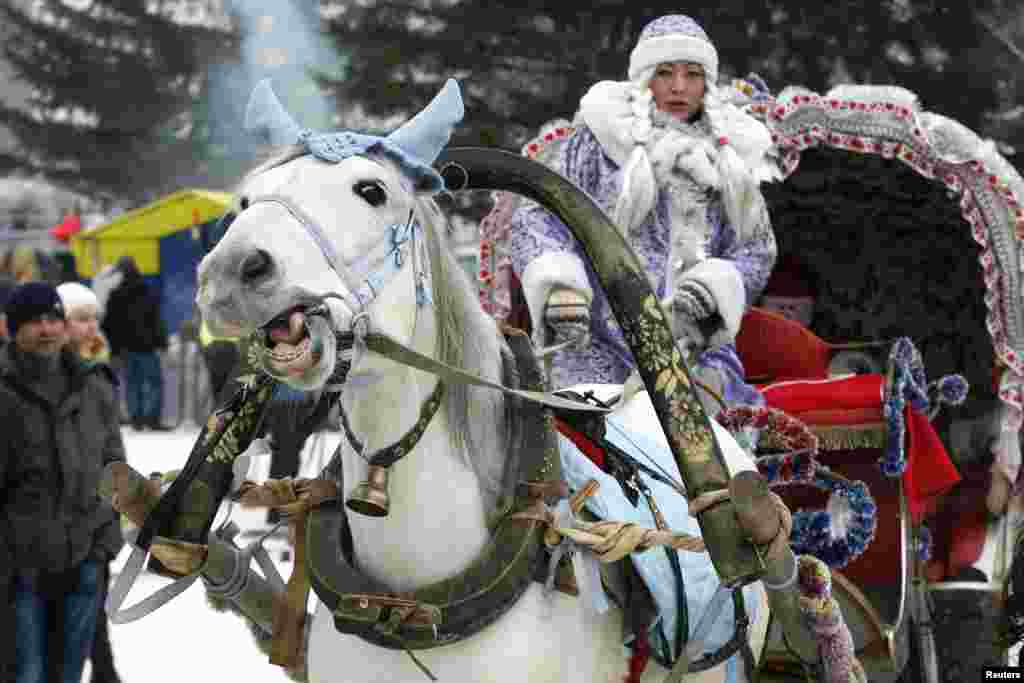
[(534, 232)]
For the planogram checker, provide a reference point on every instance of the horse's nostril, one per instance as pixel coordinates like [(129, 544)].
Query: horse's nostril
[(257, 266)]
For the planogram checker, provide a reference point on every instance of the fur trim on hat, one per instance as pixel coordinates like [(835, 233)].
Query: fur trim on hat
[(674, 47)]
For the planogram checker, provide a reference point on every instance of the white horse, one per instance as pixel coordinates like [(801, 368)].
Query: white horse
[(311, 229)]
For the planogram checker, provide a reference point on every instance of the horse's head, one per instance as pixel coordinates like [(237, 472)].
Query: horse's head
[(326, 232)]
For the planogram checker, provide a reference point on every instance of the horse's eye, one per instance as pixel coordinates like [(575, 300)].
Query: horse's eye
[(372, 191), (243, 203)]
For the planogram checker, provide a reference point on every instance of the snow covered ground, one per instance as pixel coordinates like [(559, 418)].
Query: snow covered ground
[(185, 640)]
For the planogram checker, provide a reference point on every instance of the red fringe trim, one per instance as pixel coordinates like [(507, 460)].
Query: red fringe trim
[(638, 660)]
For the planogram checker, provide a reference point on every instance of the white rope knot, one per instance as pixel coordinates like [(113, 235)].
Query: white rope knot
[(610, 541)]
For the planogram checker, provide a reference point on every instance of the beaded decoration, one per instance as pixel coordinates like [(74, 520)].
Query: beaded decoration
[(836, 535), (908, 381)]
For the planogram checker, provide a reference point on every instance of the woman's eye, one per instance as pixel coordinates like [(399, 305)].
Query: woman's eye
[(372, 191)]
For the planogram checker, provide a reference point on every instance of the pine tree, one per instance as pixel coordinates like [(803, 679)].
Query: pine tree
[(523, 64), (113, 83)]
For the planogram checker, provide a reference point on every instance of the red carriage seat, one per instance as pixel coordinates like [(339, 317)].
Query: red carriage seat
[(846, 414), (773, 347)]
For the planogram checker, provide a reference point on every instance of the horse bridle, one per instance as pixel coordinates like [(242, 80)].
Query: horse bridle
[(362, 279), (365, 277)]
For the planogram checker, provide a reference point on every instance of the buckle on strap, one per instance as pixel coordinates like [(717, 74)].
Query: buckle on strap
[(387, 613)]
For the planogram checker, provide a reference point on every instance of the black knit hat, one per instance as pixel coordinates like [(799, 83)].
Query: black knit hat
[(30, 301)]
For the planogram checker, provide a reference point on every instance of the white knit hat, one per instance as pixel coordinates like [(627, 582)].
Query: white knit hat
[(76, 295), (673, 38)]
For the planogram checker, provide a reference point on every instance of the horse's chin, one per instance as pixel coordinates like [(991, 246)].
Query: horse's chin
[(297, 349)]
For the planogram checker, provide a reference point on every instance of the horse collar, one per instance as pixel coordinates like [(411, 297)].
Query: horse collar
[(460, 606)]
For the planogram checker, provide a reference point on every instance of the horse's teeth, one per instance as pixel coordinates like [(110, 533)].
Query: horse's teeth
[(286, 354)]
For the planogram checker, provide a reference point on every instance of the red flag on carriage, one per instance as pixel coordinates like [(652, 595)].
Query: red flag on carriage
[(855, 402)]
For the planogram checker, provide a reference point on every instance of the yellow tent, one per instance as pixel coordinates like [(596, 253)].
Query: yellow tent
[(138, 232), (167, 239)]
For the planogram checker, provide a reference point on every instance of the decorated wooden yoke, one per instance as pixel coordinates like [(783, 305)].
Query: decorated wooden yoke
[(857, 460)]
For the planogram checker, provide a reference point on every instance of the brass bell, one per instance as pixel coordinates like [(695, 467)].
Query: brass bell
[(371, 496)]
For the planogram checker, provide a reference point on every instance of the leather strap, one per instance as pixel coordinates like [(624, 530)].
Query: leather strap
[(388, 456), (290, 608), (125, 581), (389, 348)]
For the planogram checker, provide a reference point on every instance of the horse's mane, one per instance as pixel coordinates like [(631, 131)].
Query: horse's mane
[(467, 338)]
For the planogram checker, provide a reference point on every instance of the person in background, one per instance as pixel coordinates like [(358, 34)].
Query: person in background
[(135, 330), (7, 285), (221, 356), (107, 280), (82, 310), (57, 536)]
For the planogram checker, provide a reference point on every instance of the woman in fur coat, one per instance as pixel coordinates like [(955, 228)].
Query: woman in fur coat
[(678, 170)]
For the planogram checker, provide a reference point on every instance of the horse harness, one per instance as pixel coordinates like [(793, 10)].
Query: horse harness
[(459, 607), (588, 433)]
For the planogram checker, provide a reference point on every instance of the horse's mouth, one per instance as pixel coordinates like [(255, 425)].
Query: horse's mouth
[(292, 343)]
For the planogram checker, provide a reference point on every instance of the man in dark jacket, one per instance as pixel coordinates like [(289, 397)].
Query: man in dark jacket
[(60, 429), (135, 330), (7, 285)]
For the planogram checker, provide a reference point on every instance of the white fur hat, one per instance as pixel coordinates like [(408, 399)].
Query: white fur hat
[(673, 38), (76, 295)]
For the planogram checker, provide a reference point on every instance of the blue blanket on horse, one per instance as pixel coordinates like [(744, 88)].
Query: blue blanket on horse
[(609, 502)]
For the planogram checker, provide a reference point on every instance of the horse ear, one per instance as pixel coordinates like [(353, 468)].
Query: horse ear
[(267, 118), (425, 135)]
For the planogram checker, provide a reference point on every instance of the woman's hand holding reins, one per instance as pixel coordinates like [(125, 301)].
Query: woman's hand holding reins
[(694, 317), (567, 317)]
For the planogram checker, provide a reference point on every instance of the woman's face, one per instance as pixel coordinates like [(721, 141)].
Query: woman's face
[(82, 324), (678, 88)]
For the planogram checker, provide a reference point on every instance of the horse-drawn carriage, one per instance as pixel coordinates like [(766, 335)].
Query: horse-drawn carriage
[(966, 546), (439, 553)]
